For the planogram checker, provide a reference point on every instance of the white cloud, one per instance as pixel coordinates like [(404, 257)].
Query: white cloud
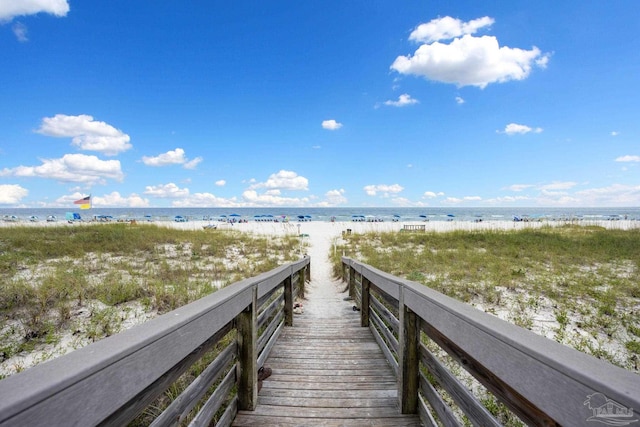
[(12, 8), (615, 133), (405, 203), (283, 180), (86, 133), (558, 186), (252, 198), (565, 193), (459, 100), (192, 164), (472, 198), (172, 157), (432, 195), (628, 158), (12, 193), (331, 125), (166, 191), (514, 128), (71, 168), (519, 187), (447, 28), (20, 31), (335, 197), (466, 60), (452, 200), (403, 100), (507, 200), (220, 183), (386, 190), (613, 195), (116, 200), (198, 200)]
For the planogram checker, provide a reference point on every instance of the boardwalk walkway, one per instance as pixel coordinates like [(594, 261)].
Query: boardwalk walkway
[(327, 370)]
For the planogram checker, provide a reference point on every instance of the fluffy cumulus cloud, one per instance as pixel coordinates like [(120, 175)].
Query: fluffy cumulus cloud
[(198, 200), (253, 198), (86, 133), (403, 100), (432, 194), (283, 180), (516, 129), (447, 28), (334, 198), (172, 157), (331, 125), (12, 8), (116, 200), (71, 168), (166, 191), (220, 183), (628, 158), (12, 194), (384, 189), (449, 53)]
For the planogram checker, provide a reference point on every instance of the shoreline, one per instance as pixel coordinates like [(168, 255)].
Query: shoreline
[(337, 228)]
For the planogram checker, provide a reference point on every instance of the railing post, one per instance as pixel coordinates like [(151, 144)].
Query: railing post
[(247, 355), (345, 270), (302, 276), (364, 304), (409, 358), (288, 301), (352, 282)]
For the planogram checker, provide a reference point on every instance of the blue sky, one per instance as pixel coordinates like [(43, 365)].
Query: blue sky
[(308, 104)]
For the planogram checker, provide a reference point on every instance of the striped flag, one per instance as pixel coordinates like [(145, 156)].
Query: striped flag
[(85, 203)]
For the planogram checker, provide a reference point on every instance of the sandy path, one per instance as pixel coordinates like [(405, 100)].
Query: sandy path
[(324, 296)]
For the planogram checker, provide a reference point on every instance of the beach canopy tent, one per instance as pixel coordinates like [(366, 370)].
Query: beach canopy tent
[(72, 216)]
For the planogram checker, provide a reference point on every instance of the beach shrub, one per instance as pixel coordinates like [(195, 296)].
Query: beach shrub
[(48, 275), (584, 277)]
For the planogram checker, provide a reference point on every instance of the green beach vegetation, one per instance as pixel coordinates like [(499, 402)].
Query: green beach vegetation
[(578, 285), (66, 286)]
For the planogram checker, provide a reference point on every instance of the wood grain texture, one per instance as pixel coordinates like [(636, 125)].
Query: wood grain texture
[(327, 372)]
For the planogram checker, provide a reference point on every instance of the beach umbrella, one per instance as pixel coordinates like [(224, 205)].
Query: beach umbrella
[(235, 214), (422, 216)]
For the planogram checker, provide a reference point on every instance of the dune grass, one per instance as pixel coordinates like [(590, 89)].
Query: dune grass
[(577, 285), (91, 281)]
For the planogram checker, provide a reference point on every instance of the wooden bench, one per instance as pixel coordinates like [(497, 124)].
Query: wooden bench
[(409, 227)]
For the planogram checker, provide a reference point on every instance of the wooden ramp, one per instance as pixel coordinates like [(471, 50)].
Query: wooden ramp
[(327, 371)]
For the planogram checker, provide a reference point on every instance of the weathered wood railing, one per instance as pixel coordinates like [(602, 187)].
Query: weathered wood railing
[(114, 380), (540, 381)]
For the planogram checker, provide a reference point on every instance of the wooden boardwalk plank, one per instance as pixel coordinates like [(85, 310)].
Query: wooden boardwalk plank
[(327, 372)]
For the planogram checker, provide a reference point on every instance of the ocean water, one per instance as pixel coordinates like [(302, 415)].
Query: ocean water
[(328, 214)]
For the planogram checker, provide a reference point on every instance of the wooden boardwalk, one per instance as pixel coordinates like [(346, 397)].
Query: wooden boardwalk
[(327, 371)]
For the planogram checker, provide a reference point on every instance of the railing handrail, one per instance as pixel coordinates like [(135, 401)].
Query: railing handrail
[(541, 376), (88, 385)]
